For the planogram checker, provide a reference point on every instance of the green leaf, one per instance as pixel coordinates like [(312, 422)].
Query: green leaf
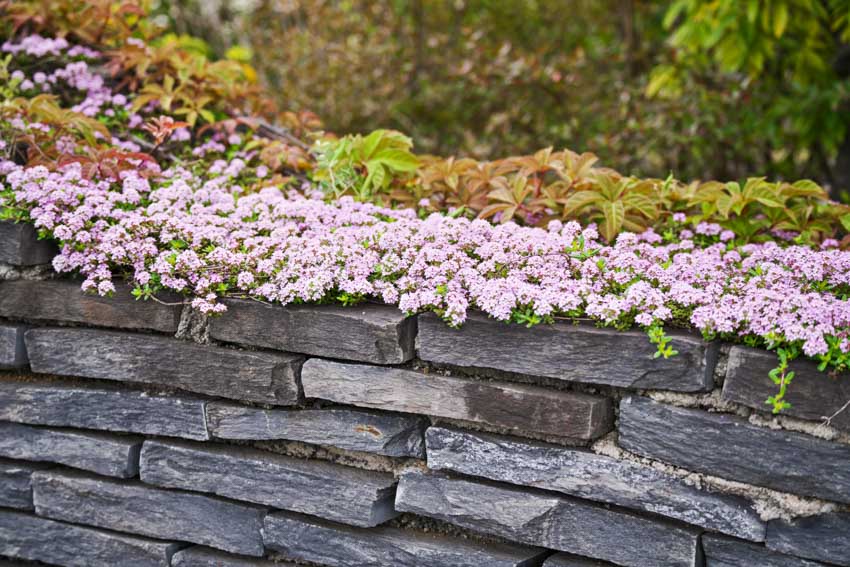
[(780, 19), (370, 144), (240, 53), (579, 200), (614, 213), (399, 160)]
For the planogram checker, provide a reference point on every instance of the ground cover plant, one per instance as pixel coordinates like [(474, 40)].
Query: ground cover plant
[(146, 160)]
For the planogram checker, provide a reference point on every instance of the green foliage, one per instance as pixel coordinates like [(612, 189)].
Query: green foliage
[(660, 339), (547, 185), (782, 377), (789, 55), (366, 166)]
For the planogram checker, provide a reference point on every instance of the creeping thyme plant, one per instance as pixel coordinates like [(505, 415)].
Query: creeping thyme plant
[(148, 162)]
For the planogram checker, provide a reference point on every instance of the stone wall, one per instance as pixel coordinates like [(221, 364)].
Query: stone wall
[(139, 433)]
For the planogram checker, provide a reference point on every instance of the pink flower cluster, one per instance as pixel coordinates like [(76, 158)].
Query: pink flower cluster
[(206, 238)]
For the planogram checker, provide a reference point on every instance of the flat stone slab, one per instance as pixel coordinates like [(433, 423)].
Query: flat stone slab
[(504, 404), (199, 556), (823, 538), (379, 334), (341, 546), (70, 405), (729, 447), (24, 536), (582, 473), (574, 353), (16, 484), (549, 520), (345, 494), (20, 246), (129, 357), (63, 300), (813, 395), (567, 560), (13, 353), (101, 453), (138, 509), (354, 430), (727, 552)]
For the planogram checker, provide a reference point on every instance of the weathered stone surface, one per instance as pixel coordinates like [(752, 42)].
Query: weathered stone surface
[(814, 395), (575, 353), (38, 539), (199, 556), (567, 560), (567, 414), (728, 446), (13, 353), (355, 430), (129, 357), (62, 300), (138, 509), (97, 452), (20, 246), (348, 495), (824, 538), (379, 334), (15, 483), (70, 405), (341, 546), (727, 552), (582, 473), (549, 520)]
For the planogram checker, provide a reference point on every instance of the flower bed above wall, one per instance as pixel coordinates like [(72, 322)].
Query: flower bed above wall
[(149, 163)]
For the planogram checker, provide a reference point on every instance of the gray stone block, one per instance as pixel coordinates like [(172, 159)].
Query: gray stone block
[(813, 394), (729, 447), (345, 494), (354, 430), (24, 536), (582, 473), (574, 353), (129, 357), (503, 404), (549, 520), (13, 352), (324, 543), (65, 404), (823, 538), (20, 246), (379, 334), (727, 552), (567, 560), (199, 556), (138, 509), (15, 483), (101, 453), (63, 300)]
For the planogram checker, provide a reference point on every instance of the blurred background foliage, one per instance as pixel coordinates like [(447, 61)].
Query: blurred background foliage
[(717, 89)]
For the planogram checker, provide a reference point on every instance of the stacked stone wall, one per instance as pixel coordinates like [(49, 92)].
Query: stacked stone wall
[(140, 433)]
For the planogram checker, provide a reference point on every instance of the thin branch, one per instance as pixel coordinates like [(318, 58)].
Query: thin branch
[(828, 420), (277, 133)]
